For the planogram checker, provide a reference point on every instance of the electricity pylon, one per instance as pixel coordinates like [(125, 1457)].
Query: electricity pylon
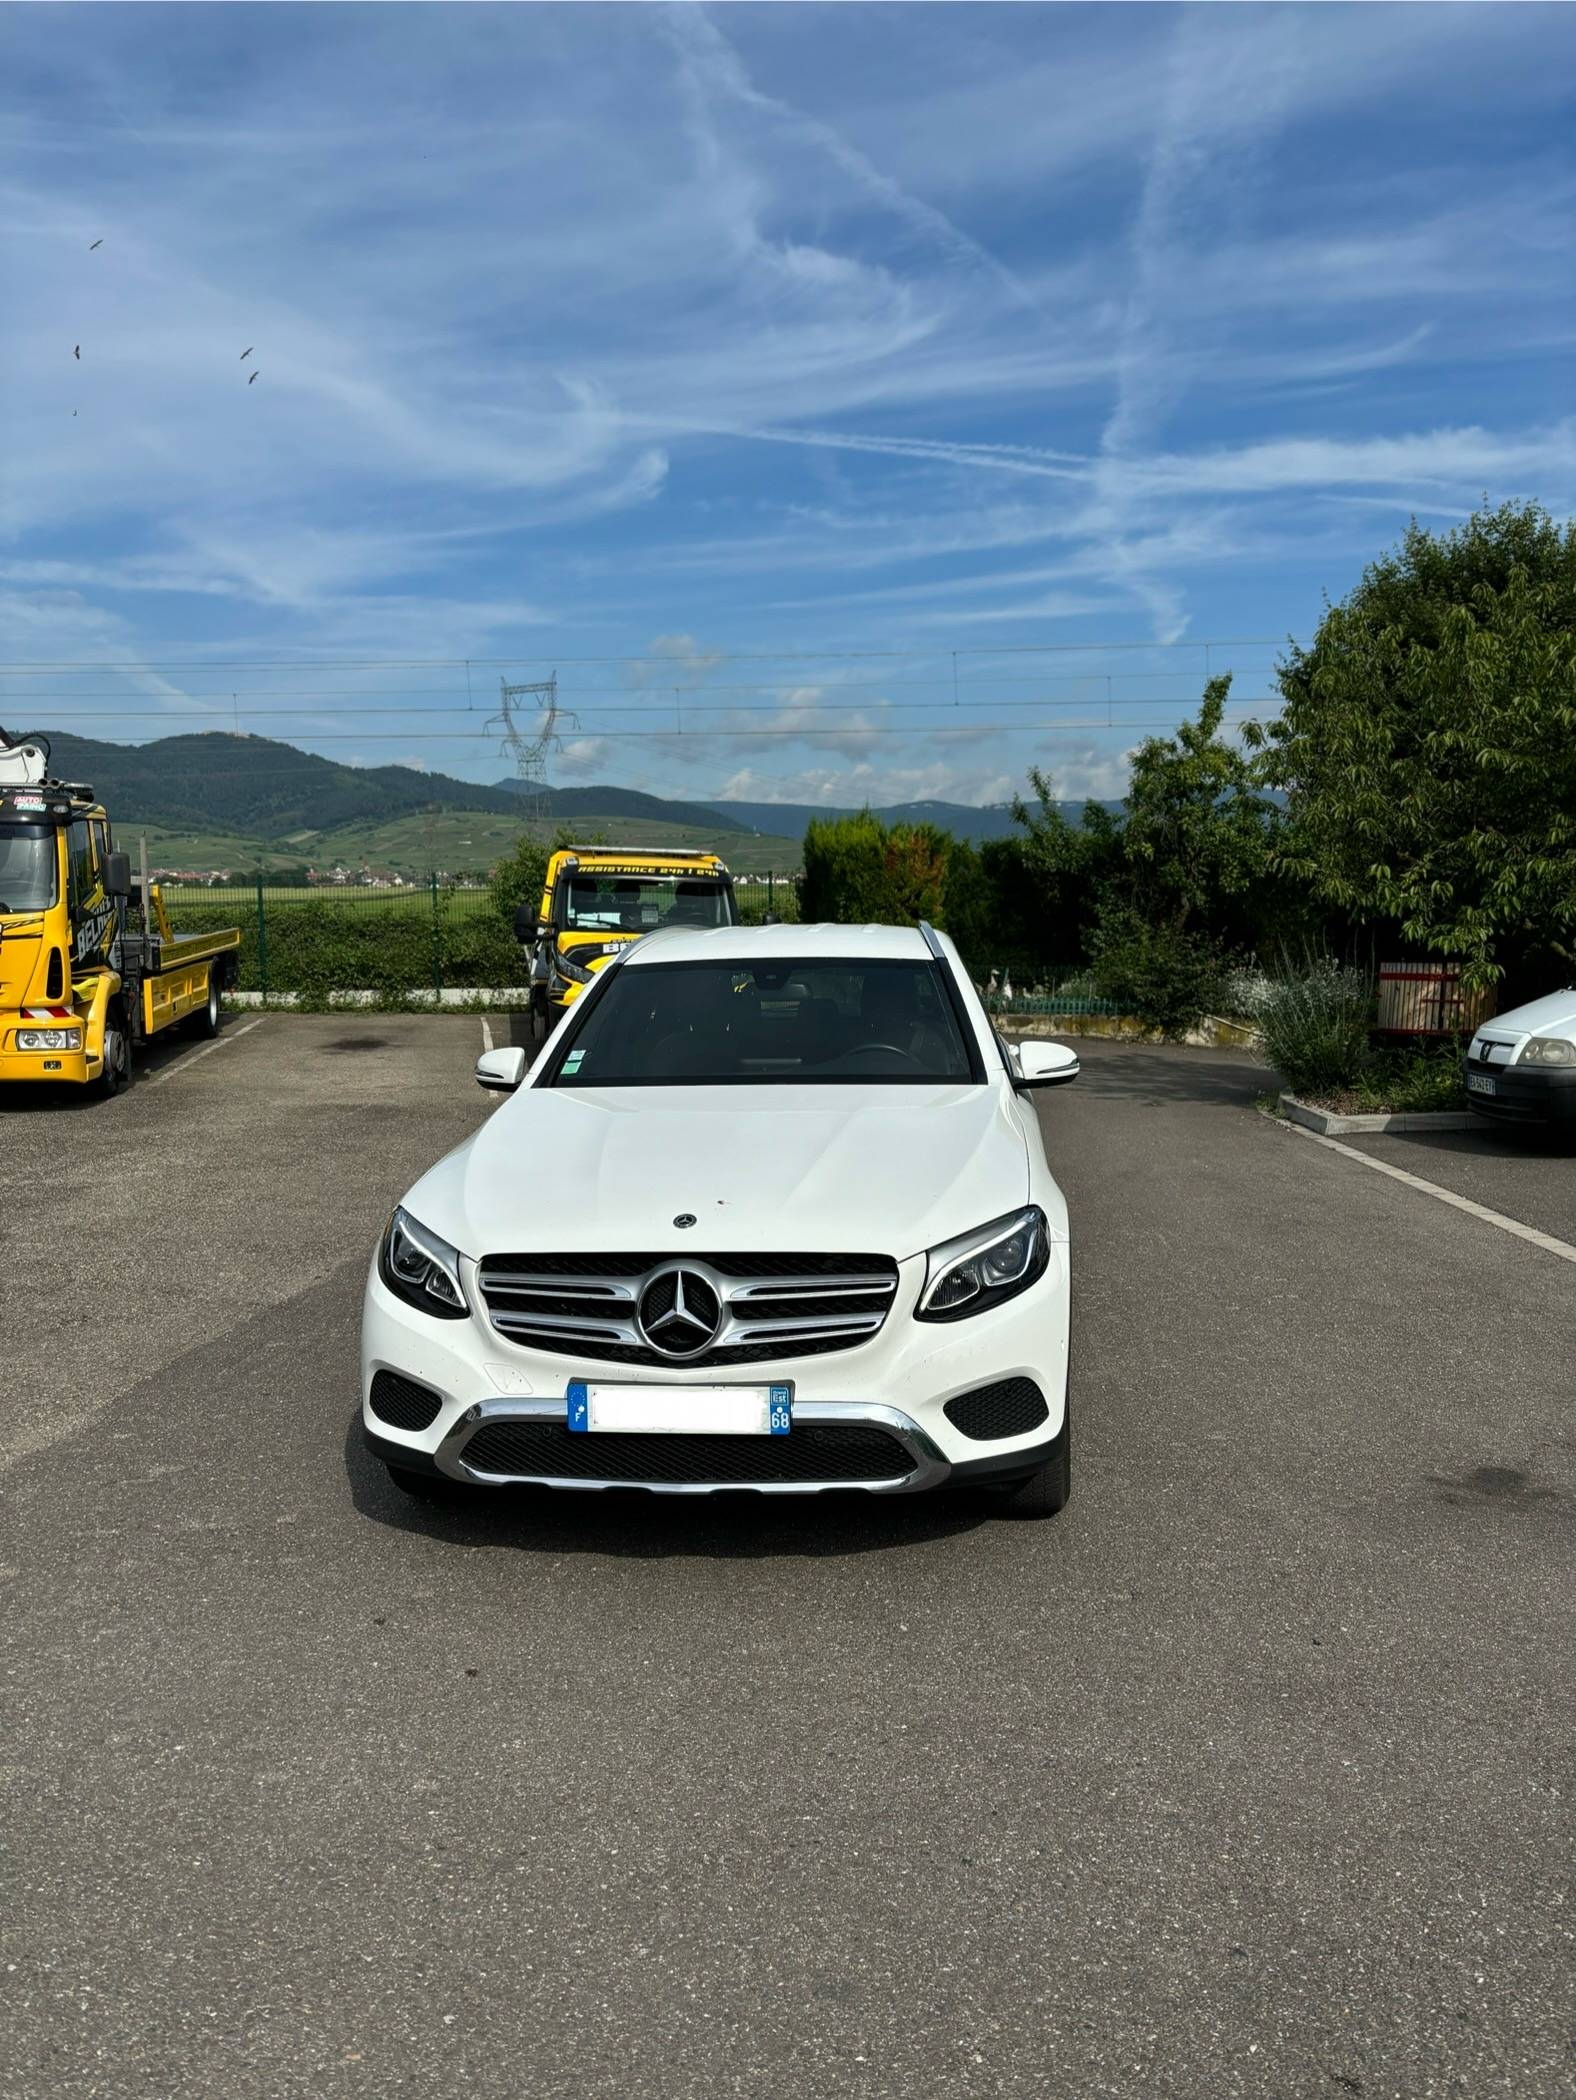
[(528, 747)]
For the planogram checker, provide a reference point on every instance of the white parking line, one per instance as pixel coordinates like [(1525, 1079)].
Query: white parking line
[(487, 1041), (1530, 1233), (231, 1035)]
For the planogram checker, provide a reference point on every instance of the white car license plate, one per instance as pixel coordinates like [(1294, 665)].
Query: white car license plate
[(1479, 1083), (679, 1410)]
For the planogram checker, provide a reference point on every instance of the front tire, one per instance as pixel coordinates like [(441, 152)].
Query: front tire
[(423, 1487), (1045, 1493)]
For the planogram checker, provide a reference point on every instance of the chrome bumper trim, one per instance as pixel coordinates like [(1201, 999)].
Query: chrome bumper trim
[(930, 1468)]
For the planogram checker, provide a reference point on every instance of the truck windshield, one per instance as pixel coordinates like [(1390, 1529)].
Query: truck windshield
[(639, 904), (825, 1021), (27, 868)]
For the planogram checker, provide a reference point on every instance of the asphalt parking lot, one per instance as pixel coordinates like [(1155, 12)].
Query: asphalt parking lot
[(1250, 1774)]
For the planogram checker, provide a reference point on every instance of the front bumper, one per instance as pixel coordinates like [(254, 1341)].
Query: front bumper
[(895, 1386), (1523, 1093), (73, 1066)]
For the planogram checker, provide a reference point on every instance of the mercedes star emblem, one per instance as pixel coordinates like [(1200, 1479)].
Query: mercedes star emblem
[(679, 1312)]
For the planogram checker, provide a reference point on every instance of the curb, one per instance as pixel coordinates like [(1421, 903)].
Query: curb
[(1327, 1124)]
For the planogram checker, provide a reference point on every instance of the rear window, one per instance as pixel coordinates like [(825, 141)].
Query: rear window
[(816, 1022)]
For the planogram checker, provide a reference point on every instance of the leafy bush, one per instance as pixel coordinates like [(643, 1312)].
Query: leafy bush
[(858, 870), (1316, 1021), (1163, 974), (1410, 1080), (392, 944)]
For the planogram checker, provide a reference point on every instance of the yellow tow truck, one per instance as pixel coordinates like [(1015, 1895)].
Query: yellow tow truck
[(596, 899), (89, 966)]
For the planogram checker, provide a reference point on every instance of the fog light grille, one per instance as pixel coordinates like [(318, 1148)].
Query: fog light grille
[(1011, 1407), (402, 1403)]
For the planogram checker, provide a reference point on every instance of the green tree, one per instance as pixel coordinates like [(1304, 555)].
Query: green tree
[(1196, 829), (1427, 747)]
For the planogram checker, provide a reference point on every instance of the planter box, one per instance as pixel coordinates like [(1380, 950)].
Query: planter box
[(1328, 1124)]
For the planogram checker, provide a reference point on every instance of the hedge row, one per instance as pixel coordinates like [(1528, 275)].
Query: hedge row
[(315, 949)]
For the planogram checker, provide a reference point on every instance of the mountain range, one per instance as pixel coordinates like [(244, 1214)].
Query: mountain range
[(217, 784)]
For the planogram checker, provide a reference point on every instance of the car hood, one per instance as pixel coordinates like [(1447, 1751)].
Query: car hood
[(1553, 1015), (888, 1170)]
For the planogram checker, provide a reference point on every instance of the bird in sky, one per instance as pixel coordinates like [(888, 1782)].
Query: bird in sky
[(254, 375), (77, 353), (95, 244), (246, 353)]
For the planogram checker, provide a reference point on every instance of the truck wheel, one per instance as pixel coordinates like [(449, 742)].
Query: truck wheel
[(539, 1030), (116, 1072), (206, 1019)]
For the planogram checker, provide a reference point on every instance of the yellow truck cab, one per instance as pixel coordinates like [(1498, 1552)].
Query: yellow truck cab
[(597, 899), (89, 966)]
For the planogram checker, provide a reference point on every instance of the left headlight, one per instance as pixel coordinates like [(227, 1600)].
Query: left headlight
[(49, 1039), (1547, 1050), (422, 1269), (984, 1268)]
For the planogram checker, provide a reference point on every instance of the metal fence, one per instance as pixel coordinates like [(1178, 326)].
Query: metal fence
[(430, 935), (391, 939)]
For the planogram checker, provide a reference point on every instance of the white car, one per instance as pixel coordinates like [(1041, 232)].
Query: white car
[(770, 1211), (1521, 1066)]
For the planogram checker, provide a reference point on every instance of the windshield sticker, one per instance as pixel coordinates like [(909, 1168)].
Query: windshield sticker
[(572, 1061)]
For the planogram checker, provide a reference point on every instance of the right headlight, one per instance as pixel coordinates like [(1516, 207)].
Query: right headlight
[(1547, 1050), (422, 1269), (986, 1267)]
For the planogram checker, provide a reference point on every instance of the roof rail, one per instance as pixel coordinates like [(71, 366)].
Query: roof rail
[(931, 942)]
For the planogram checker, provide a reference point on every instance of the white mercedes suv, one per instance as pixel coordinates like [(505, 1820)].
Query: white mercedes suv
[(770, 1211)]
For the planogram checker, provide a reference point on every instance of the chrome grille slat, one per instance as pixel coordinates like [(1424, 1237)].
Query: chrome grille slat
[(816, 1287), (767, 1305), (561, 1287)]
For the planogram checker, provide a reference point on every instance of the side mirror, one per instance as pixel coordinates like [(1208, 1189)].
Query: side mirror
[(1045, 1064), (525, 928), (501, 1071), (117, 874)]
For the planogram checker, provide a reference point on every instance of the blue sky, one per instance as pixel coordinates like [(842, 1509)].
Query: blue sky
[(802, 376)]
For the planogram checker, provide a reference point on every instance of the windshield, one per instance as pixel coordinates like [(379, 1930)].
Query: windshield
[(780, 1023), (639, 904), (27, 869)]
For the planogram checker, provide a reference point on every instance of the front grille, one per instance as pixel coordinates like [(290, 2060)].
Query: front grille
[(402, 1402), (812, 1453), (624, 1308), (1011, 1407)]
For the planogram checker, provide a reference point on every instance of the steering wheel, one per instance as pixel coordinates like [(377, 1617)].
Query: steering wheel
[(871, 1049)]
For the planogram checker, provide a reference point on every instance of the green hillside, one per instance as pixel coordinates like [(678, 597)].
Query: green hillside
[(252, 805), (457, 841)]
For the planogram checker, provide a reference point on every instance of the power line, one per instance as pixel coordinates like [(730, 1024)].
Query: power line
[(691, 707), (669, 663), (847, 731), (658, 695)]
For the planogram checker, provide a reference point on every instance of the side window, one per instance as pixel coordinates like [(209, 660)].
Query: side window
[(101, 842), (80, 851)]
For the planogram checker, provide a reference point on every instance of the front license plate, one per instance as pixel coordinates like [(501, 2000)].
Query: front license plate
[(679, 1410), (1479, 1083)]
